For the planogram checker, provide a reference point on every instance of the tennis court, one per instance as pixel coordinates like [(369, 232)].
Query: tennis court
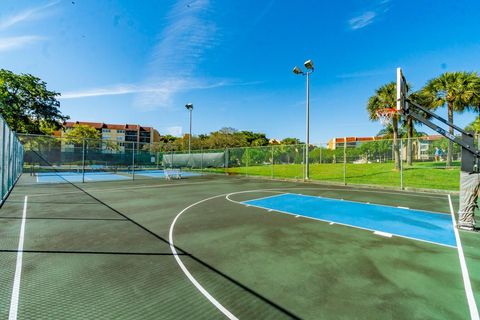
[(62, 175), (216, 246)]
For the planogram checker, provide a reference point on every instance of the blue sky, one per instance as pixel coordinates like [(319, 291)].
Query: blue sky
[(142, 61)]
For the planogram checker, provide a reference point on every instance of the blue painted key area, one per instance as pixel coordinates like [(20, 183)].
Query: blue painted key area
[(419, 225)]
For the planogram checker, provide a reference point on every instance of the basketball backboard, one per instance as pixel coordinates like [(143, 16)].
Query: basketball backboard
[(402, 90)]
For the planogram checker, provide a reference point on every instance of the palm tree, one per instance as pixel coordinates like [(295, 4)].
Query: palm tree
[(474, 127), (460, 91), (409, 123), (386, 97)]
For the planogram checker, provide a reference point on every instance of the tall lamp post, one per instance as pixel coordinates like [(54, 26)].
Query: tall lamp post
[(309, 66), (189, 107)]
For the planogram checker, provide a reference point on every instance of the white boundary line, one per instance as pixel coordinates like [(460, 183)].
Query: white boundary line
[(18, 270), (119, 189), (344, 224), (463, 264), (367, 203), (217, 304)]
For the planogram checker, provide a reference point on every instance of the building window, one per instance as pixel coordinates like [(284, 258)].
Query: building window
[(105, 130), (121, 138), (121, 131)]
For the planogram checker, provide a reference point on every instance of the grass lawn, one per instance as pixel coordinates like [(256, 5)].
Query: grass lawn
[(429, 175)]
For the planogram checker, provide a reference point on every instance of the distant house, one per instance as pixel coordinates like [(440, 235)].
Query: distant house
[(421, 145), (351, 142), (122, 136)]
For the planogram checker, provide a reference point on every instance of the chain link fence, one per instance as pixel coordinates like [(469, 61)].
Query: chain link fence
[(11, 157), (419, 163)]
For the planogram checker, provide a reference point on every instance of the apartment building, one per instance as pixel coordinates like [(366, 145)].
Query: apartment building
[(117, 137)]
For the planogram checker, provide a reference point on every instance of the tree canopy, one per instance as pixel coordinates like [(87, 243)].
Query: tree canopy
[(290, 141), (460, 91), (386, 97), (81, 132), (27, 105)]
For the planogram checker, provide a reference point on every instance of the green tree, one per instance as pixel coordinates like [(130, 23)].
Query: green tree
[(474, 127), (290, 141), (386, 97), (255, 139), (80, 132), (460, 91), (27, 105), (226, 138)]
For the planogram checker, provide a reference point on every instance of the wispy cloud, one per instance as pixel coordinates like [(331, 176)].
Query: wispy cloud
[(26, 15), (362, 20), (162, 89), (17, 42), (369, 15), (189, 33)]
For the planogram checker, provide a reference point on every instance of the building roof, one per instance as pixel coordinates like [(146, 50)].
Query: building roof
[(71, 124), (353, 139), (101, 125)]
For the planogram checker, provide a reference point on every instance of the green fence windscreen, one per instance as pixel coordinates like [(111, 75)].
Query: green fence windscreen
[(11, 159)]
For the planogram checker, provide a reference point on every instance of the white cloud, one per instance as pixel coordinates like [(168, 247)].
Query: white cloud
[(362, 21), (161, 90), (189, 33), (369, 15), (25, 15), (17, 42)]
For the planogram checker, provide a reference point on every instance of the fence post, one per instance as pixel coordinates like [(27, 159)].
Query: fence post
[(273, 162), (246, 162), (401, 163), (14, 160), (201, 159), (83, 160), (3, 159), (345, 161), (303, 162), (133, 161), (225, 161), (9, 158)]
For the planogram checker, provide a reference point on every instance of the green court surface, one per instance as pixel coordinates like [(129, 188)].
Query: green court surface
[(104, 250)]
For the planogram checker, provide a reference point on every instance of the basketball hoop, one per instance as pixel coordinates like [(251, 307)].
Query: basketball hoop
[(385, 115)]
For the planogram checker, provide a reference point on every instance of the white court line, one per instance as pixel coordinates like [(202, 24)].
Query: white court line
[(339, 223), (18, 270), (463, 264), (217, 304), (361, 202), (383, 234)]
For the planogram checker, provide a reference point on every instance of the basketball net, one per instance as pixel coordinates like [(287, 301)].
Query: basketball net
[(385, 115)]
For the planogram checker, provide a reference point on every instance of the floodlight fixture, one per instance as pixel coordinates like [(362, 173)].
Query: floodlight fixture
[(309, 65), (189, 106), (297, 70)]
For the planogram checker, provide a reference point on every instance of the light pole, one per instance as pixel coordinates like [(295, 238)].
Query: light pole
[(189, 107), (309, 66)]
